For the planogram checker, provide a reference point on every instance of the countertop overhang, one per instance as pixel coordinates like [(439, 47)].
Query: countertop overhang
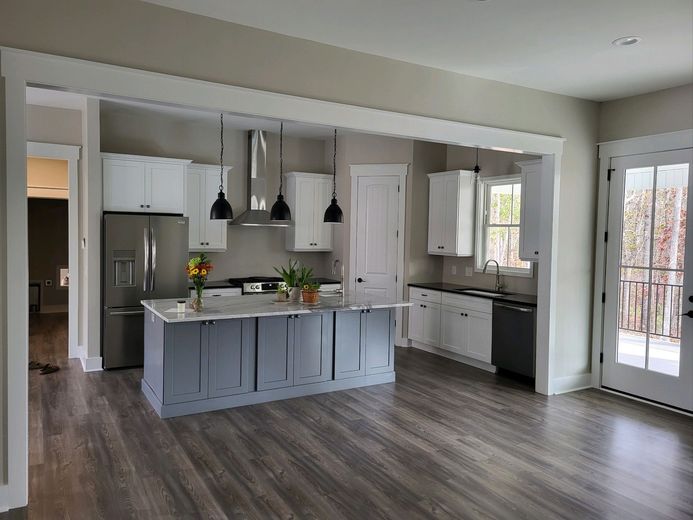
[(522, 299), (253, 306)]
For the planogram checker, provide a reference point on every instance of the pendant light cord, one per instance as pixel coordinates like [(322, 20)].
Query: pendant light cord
[(221, 154), (334, 167), (281, 157)]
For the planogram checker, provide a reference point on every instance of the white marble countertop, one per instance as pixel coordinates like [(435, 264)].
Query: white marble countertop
[(253, 306)]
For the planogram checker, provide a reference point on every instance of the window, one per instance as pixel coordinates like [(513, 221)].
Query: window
[(498, 232)]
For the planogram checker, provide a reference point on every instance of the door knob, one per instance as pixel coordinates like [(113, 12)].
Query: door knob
[(689, 314), (690, 299), (359, 280)]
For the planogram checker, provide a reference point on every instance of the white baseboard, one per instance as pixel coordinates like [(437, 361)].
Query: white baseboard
[(562, 385), (54, 309), (4, 506), (92, 364), (455, 357)]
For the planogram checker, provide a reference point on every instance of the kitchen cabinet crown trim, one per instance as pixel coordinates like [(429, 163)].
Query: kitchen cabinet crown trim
[(145, 158)]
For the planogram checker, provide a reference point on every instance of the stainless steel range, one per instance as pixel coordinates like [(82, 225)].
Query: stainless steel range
[(258, 284)]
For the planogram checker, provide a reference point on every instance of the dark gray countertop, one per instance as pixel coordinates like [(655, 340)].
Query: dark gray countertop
[(523, 299)]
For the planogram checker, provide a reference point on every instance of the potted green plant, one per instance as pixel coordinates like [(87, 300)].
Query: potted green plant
[(309, 292), (290, 276)]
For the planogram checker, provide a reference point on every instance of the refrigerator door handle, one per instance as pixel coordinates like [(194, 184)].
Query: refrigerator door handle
[(146, 260), (153, 280)]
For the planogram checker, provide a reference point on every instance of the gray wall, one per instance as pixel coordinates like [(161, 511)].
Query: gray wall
[(251, 250), (53, 125), (3, 291), (149, 37), (48, 228), (658, 112), (492, 163)]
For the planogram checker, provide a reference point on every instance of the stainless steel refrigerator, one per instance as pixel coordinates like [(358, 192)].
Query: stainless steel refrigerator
[(144, 258)]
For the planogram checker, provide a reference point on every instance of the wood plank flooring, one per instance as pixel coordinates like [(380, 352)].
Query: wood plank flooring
[(444, 441)]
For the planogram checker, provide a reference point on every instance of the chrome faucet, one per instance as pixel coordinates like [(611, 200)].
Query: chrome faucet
[(499, 278), (335, 265)]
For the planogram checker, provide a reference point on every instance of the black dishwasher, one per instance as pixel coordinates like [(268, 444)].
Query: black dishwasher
[(514, 337)]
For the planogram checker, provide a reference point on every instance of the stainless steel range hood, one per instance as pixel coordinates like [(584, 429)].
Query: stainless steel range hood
[(257, 213)]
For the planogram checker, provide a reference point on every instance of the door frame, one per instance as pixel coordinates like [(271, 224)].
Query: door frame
[(356, 171), (21, 68), (607, 151), (71, 154)]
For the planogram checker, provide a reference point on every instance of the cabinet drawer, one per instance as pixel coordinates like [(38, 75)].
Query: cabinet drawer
[(468, 302), (426, 295)]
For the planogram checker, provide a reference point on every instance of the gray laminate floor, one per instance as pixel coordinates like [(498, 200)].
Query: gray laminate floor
[(444, 441)]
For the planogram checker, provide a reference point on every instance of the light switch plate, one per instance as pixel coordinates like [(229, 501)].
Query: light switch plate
[(469, 271), (453, 269)]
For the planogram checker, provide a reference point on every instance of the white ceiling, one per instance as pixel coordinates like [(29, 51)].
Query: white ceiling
[(561, 46)]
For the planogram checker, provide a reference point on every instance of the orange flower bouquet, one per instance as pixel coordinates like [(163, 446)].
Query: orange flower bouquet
[(198, 268)]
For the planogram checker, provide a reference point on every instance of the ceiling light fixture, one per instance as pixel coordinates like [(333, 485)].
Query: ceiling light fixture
[(625, 41), (333, 213), (280, 209), (221, 209)]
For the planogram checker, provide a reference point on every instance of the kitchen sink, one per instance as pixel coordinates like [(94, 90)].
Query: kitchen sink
[(481, 292)]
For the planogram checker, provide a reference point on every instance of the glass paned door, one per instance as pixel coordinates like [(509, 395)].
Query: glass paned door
[(648, 338)]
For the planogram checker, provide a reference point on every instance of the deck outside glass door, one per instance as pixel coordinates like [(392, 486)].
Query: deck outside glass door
[(648, 320)]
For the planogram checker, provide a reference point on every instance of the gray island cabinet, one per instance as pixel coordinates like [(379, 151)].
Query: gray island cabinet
[(240, 352)]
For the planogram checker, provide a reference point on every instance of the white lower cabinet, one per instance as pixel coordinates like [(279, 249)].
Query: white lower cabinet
[(460, 324)]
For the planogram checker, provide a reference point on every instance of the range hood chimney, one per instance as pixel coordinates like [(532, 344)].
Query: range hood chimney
[(256, 213)]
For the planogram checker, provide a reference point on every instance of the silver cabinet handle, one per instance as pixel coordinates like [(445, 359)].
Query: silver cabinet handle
[(126, 313), (146, 260), (153, 282)]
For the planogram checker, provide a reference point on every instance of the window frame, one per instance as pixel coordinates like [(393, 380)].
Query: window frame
[(482, 196)]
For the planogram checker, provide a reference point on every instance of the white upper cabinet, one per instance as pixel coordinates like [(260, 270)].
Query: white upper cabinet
[(308, 195), (202, 187), (143, 184), (530, 209), (451, 213)]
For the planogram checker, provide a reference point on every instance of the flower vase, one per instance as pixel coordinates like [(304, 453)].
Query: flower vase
[(294, 294), (197, 303)]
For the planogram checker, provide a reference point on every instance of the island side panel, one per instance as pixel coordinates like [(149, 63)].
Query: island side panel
[(186, 361), (378, 335), (154, 353)]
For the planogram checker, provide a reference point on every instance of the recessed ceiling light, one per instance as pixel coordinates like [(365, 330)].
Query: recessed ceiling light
[(626, 40)]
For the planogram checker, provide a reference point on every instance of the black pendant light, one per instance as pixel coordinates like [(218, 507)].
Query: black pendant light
[(477, 168), (333, 213), (280, 209), (221, 209)]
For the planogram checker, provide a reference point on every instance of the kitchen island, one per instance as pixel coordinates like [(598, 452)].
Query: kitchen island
[(242, 350)]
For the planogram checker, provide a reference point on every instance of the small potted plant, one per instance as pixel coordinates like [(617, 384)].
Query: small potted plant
[(282, 293), (198, 268), (290, 276), (309, 292)]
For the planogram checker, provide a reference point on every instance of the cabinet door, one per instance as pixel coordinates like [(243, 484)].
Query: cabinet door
[(431, 324), (194, 185), (454, 329), (416, 320), (164, 188), (313, 348), (275, 352), (436, 210), (231, 356), (349, 355), (322, 235), (304, 214), (123, 185), (449, 203), (185, 362), (530, 214), (479, 337), (214, 231), (378, 334)]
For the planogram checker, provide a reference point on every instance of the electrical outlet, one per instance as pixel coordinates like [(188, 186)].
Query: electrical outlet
[(48, 283), (453, 269), (469, 271)]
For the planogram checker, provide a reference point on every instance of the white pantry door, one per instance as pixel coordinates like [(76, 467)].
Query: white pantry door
[(648, 320), (377, 217)]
